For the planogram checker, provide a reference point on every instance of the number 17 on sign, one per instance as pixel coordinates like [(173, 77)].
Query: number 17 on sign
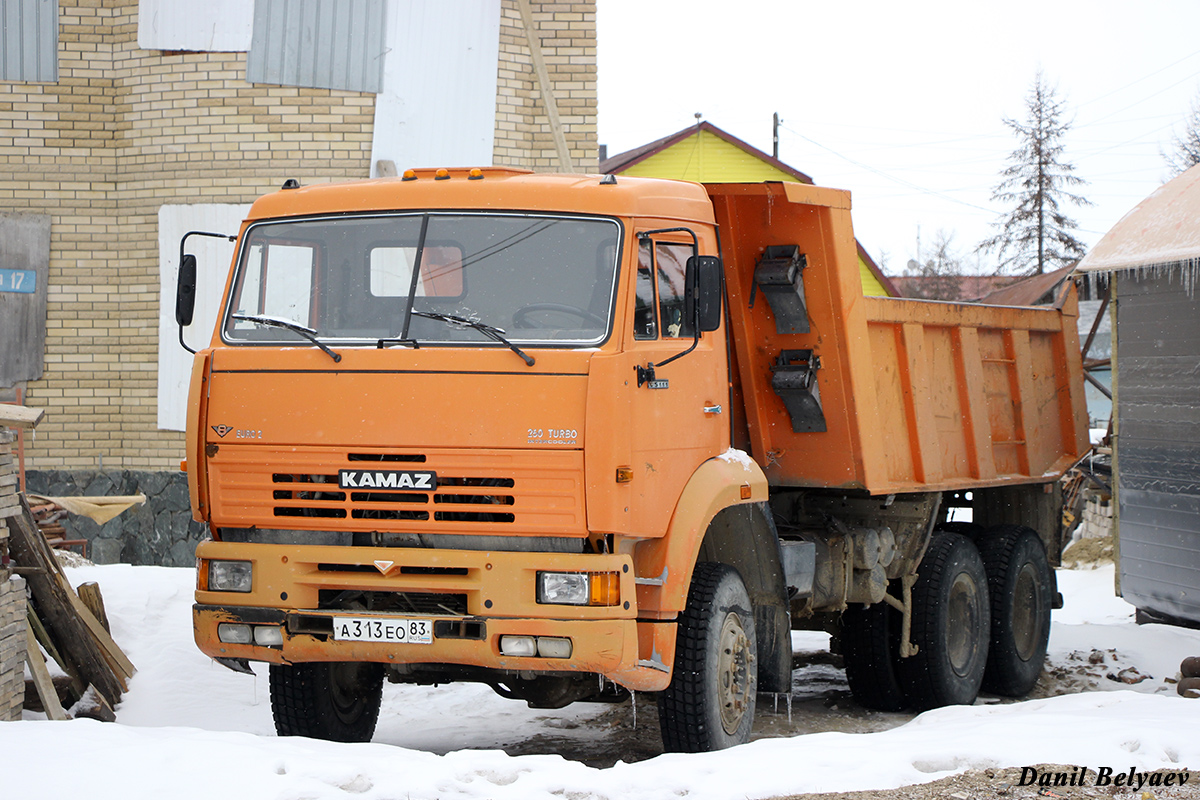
[(18, 280)]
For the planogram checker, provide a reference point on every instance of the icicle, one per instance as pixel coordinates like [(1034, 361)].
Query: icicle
[(776, 702), (633, 702), (789, 706)]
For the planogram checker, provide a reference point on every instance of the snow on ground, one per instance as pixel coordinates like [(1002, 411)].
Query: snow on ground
[(189, 728)]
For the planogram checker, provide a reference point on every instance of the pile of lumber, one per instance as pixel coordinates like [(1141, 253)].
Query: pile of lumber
[(49, 517), (70, 626)]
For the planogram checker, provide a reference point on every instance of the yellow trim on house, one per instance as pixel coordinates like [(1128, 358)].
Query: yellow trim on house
[(871, 285), (707, 158)]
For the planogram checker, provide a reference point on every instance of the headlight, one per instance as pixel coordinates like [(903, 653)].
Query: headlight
[(230, 576), (579, 588)]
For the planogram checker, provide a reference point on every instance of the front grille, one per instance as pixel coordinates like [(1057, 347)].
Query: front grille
[(511, 492), (425, 603)]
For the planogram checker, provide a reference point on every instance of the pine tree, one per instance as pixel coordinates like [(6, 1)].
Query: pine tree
[(1037, 234), (1186, 152)]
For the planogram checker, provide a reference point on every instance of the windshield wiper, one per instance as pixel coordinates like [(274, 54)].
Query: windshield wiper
[(294, 327), (487, 330)]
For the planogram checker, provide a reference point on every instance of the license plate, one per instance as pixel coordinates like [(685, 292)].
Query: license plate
[(374, 629)]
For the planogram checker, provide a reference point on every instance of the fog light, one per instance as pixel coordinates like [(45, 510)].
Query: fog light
[(518, 646), (230, 576), (233, 633), (268, 635), (553, 647)]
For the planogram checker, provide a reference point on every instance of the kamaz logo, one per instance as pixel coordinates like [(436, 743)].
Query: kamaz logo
[(386, 479)]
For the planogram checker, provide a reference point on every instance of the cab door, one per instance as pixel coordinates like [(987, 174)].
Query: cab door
[(679, 416)]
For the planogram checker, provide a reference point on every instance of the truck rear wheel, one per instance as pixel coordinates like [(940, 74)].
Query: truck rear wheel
[(950, 625), (1020, 586), (709, 704), (870, 648), (338, 702)]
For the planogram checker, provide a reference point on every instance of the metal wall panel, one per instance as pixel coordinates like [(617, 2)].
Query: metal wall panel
[(24, 264), (1158, 455), (210, 26), (29, 40), (438, 104), (329, 44), (213, 257)]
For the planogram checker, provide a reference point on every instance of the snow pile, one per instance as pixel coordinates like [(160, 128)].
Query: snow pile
[(191, 729)]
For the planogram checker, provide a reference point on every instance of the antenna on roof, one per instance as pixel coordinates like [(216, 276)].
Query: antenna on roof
[(698, 115)]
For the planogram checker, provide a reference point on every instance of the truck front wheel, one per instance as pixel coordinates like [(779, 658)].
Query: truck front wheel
[(950, 625), (709, 704), (1021, 586), (338, 701)]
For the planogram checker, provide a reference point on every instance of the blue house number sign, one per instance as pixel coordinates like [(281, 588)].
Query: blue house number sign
[(18, 280)]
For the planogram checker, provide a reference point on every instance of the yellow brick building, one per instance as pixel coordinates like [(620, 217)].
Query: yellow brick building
[(123, 130)]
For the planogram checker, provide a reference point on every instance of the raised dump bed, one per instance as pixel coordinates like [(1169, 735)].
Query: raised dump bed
[(840, 390)]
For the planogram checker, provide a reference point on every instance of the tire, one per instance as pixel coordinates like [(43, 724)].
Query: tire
[(709, 704), (950, 625), (1021, 588), (338, 702), (871, 648), (972, 530)]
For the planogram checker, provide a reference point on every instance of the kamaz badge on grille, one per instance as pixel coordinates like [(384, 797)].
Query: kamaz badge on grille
[(386, 479)]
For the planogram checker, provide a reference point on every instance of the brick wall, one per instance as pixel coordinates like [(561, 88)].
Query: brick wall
[(126, 130), (568, 41)]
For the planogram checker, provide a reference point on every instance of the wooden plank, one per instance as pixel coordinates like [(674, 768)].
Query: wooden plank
[(112, 650), (76, 686), (14, 416), (41, 678), (90, 594), (71, 634)]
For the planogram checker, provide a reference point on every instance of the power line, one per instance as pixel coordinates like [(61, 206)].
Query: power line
[(885, 175)]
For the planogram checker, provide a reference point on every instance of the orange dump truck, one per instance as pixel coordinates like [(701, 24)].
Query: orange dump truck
[(578, 436)]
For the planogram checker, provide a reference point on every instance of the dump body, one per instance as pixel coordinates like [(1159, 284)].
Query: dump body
[(915, 395)]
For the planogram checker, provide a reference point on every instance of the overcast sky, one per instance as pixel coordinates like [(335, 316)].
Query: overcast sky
[(902, 102)]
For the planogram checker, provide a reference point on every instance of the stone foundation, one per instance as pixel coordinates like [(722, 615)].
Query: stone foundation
[(159, 533)]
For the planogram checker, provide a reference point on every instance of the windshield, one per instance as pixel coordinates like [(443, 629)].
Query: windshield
[(539, 280)]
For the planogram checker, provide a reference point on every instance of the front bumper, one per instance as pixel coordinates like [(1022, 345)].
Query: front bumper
[(488, 595)]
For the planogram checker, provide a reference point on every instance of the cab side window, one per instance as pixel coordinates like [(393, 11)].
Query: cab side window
[(672, 263), (645, 324)]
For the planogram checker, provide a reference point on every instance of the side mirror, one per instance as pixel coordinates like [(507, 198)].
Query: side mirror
[(704, 291), (185, 293)]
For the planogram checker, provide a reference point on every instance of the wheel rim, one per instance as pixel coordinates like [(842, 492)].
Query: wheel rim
[(1026, 621), (733, 673), (962, 618)]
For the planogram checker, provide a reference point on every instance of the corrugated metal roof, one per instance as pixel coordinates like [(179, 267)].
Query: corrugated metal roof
[(1160, 232), (29, 40), (318, 43)]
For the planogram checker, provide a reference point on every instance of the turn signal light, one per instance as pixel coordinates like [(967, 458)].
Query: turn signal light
[(605, 589)]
